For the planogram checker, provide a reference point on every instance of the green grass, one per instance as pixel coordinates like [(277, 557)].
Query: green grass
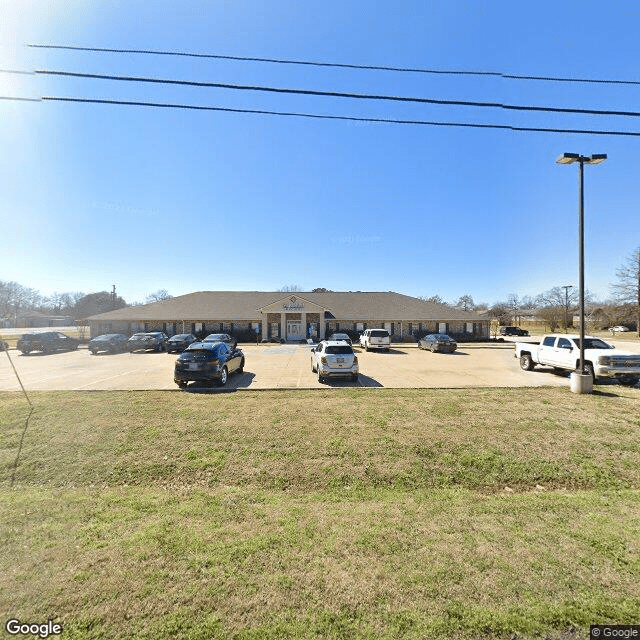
[(315, 514)]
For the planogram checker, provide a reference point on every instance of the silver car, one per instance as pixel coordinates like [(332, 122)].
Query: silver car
[(333, 359)]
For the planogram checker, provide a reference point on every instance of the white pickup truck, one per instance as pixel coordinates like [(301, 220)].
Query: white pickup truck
[(562, 352)]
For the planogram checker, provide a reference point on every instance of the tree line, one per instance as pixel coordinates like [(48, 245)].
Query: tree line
[(17, 300)]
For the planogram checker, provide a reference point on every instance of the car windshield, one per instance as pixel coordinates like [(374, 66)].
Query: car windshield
[(379, 334), (137, 335), (104, 338), (442, 336), (594, 343), (339, 349), (340, 336), (216, 337), (180, 336)]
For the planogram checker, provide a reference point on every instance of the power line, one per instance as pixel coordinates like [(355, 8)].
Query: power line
[(313, 63), (19, 99), (163, 105), (339, 94)]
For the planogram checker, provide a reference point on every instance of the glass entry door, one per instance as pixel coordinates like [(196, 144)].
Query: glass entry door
[(294, 330)]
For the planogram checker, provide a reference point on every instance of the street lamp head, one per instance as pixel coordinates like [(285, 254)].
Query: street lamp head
[(568, 158), (596, 158)]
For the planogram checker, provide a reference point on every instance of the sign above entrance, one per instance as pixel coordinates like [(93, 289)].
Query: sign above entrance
[(293, 304)]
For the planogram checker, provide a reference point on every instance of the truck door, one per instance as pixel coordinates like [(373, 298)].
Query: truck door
[(546, 351)]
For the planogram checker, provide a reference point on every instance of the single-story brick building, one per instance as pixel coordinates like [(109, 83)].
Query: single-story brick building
[(292, 316)]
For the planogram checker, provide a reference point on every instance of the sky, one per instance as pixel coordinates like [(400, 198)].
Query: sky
[(96, 195)]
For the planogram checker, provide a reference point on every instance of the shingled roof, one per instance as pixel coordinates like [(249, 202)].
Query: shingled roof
[(245, 305)]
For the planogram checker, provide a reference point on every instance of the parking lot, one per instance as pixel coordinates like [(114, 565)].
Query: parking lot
[(279, 367)]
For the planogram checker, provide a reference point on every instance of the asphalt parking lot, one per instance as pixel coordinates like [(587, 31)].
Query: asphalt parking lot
[(279, 367)]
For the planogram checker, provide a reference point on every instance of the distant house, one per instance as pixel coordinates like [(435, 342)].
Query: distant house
[(293, 316)]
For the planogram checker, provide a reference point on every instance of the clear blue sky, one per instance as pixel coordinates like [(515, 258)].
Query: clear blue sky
[(95, 195)]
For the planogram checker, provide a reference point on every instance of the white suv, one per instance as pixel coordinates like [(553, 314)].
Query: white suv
[(333, 358), (375, 339)]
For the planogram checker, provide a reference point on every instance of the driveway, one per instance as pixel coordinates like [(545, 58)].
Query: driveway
[(279, 367)]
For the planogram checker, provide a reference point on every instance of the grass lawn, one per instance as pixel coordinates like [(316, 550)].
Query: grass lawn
[(349, 513)]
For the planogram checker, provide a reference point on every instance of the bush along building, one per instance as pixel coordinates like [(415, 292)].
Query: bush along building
[(294, 317)]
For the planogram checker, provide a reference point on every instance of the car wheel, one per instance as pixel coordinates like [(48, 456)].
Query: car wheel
[(94, 351), (313, 369), (224, 374), (320, 376), (588, 370), (629, 381), (26, 352), (366, 346), (526, 363), (241, 367), (354, 377), (182, 384)]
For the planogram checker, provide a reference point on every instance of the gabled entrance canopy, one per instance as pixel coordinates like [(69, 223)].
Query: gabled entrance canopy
[(299, 318)]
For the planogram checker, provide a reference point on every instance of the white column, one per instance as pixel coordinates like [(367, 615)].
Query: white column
[(265, 325), (283, 325), (305, 335), (322, 325)]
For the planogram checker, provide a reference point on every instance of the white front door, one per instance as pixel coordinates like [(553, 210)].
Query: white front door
[(294, 330)]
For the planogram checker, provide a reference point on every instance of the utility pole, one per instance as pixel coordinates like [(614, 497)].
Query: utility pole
[(566, 288), (113, 296)]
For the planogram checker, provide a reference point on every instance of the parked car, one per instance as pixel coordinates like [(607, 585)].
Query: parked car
[(340, 337), (562, 352), (222, 337), (333, 358), (207, 362), (155, 340), (46, 342), (375, 339), (109, 342), (513, 331), (438, 342), (180, 342), (618, 329)]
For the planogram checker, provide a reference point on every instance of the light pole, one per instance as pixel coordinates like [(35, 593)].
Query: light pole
[(570, 158), (566, 288)]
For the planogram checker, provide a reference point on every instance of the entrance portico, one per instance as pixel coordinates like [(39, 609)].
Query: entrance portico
[(293, 318)]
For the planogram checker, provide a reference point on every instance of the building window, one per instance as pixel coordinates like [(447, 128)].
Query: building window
[(359, 326)]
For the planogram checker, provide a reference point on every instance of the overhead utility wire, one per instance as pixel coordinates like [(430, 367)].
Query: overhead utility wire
[(163, 105), (337, 94), (19, 99), (453, 72)]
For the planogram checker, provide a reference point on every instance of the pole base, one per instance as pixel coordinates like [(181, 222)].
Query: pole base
[(581, 382)]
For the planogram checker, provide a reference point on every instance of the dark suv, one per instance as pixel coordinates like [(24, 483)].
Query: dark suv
[(513, 331), (155, 340), (47, 342), (207, 362)]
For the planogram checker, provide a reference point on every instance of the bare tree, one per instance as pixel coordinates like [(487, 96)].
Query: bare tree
[(158, 296), (559, 304), (513, 302), (436, 299), (465, 302), (627, 289), (290, 288)]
